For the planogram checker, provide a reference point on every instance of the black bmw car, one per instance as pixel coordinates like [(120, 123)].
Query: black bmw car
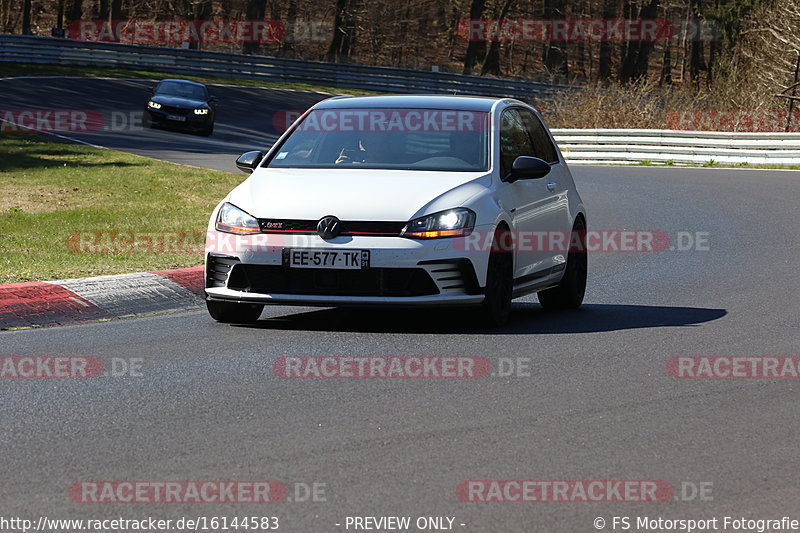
[(181, 104)]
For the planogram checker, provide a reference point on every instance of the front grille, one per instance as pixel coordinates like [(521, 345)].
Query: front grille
[(172, 110), (272, 279), (349, 227), (218, 268)]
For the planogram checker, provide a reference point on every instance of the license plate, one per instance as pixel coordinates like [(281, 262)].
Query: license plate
[(332, 259), (176, 117)]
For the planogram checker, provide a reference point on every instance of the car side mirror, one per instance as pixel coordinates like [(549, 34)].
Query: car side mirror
[(248, 161), (213, 100), (152, 89), (528, 168)]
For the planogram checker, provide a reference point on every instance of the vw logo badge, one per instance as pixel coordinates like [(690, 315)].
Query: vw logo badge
[(329, 227)]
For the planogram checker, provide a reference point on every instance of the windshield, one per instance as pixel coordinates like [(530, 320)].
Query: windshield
[(401, 139), (181, 90)]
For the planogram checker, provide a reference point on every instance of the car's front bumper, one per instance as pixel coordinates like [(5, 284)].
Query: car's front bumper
[(402, 272), (192, 122), (224, 294)]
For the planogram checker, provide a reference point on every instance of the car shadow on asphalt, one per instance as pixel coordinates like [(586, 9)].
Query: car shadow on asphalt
[(526, 318)]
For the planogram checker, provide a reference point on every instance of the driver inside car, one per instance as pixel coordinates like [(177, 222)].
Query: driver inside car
[(372, 148)]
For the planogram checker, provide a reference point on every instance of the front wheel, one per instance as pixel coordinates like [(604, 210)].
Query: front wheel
[(499, 280), (569, 292), (234, 312)]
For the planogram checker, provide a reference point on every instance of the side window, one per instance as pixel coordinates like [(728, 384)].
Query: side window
[(514, 140), (542, 146)]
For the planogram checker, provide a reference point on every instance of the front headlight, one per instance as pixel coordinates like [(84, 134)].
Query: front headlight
[(231, 219), (154, 105), (201, 111), (451, 223)]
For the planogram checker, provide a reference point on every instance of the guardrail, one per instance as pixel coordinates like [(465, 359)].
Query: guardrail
[(617, 146), (49, 50)]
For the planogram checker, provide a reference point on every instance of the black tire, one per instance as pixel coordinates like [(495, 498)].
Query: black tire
[(569, 292), (496, 307), (147, 122), (208, 131), (233, 312)]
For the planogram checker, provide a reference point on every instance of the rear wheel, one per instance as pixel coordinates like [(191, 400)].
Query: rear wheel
[(234, 312), (569, 292), (499, 280)]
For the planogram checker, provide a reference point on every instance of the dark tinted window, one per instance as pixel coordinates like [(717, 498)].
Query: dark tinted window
[(514, 140), (542, 146)]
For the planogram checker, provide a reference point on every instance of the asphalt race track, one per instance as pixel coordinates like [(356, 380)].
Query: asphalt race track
[(598, 402)]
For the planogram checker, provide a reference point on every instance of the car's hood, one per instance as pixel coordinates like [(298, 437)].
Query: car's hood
[(354, 194), (177, 101)]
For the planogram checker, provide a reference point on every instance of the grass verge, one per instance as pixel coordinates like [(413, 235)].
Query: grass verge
[(52, 192), (8, 70)]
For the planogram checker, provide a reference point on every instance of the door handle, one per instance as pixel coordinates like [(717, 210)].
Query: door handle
[(551, 186)]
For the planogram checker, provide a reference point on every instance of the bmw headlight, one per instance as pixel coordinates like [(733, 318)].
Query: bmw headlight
[(154, 105), (201, 111), (451, 223), (231, 219)]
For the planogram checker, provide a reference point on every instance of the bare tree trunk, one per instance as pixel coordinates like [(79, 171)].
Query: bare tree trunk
[(666, 66), (344, 28), (26, 17), (645, 48), (104, 10), (627, 69), (287, 46), (697, 62), (338, 31), (60, 15), (604, 65), (555, 53), (637, 55), (200, 10), (116, 10), (256, 10), (75, 10), (474, 47), (491, 64)]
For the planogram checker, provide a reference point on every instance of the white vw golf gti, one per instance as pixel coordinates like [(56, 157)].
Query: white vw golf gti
[(400, 200)]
